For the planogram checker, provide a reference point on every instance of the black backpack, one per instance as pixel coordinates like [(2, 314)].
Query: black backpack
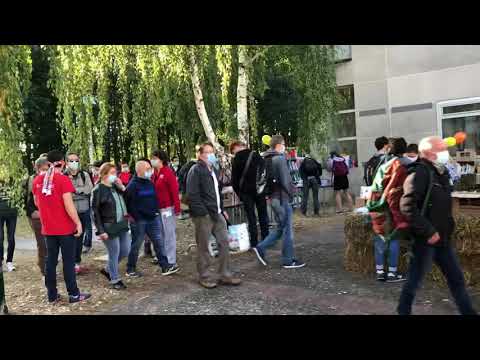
[(371, 168), (266, 180), (312, 167)]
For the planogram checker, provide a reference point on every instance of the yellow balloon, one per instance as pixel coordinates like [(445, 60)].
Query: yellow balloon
[(450, 141), (266, 139)]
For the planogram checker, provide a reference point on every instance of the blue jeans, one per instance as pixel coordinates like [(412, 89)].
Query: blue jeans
[(86, 220), (283, 212), (381, 247), (446, 260), (117, 248), (67, 244), (153, 228), (87, 229)]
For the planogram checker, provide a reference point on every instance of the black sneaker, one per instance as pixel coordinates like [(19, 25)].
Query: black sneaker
[(381, 276), (260, 256), (134, 274), (80, 297), (118, 286), (56, 301), (170, 270), (106, 274), (86, 250), (395, 277), (295, 264)]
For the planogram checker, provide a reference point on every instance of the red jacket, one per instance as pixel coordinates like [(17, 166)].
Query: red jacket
[(166, 188), (393, 190), (125, 177)]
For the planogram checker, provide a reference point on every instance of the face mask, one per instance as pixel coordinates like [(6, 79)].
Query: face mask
[(282, 149), (412, 159), (155, 163), (73, 165), (112, 178), (148, 174), (443, 157), (212, 159), (125, 169)]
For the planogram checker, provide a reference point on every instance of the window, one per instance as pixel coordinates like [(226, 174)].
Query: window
[(344, 124), (461, 115), (343, 53)]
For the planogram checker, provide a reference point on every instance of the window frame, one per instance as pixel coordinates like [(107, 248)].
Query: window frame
[(442, 104)]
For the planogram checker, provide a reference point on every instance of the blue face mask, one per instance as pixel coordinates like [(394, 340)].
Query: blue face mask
[(212, 159), (112, 178)]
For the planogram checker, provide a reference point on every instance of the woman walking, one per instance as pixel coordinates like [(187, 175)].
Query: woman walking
[(110, 214), (337, 165)]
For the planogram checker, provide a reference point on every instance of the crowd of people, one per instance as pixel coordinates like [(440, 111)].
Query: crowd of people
[(410, 196)]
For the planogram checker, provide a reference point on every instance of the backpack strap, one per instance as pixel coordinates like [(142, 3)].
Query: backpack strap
[(429, 191), (245, 170)]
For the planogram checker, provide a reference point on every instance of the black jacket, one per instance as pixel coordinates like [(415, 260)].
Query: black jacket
[(438, 216), (5, 208), (238, 166), (201, 191), (305, 174), (30, 207), (141, 199), (103, 206)]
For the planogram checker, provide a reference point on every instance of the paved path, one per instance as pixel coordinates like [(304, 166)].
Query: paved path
[(323, 287)]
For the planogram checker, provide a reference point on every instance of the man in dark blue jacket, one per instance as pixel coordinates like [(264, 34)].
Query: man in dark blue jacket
[(142, 207)]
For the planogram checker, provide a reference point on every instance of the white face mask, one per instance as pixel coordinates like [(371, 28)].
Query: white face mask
[(412, 159), (73, 165), (125, 169), (155, 163), (443, 157)]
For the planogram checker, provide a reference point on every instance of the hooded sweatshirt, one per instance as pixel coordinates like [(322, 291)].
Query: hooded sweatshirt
[(141, 199)]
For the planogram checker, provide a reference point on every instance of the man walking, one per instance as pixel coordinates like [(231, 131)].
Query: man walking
[(206, 208), (81, 198), (61, 226), (143, 209), (310, 172), (431, 225), (245, 166), (280, 189)]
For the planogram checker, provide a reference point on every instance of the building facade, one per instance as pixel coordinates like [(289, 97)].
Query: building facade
[(411, 91)]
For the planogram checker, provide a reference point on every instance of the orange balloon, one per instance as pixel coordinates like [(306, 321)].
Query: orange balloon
[(460, 137)]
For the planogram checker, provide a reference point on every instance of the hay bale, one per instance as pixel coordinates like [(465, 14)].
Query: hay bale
[(359, 252)]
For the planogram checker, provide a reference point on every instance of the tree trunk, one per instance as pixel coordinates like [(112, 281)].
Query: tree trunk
[(202, 112), (242, 87)]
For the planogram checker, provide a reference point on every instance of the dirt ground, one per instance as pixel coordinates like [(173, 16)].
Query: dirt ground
[(322, 287)]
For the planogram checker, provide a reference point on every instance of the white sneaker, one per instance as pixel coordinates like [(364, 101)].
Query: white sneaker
[(10, 267)]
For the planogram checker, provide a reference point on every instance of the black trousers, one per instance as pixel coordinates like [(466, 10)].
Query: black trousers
[(250, 202), (310, 183), (67, 244), (446, 260), (11, 224)]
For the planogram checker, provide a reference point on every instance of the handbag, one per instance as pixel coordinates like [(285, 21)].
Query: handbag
[(115, 229)]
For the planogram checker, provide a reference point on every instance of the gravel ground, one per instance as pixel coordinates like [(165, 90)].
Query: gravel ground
[(322, 287)]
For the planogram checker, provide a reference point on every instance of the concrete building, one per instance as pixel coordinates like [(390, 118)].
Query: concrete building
[(405, 90)]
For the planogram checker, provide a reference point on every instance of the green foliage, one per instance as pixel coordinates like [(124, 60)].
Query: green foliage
[(15, 72)]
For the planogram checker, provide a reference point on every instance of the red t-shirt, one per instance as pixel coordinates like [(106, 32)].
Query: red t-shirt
[(53, 216), (125, 178), (166, 188)]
